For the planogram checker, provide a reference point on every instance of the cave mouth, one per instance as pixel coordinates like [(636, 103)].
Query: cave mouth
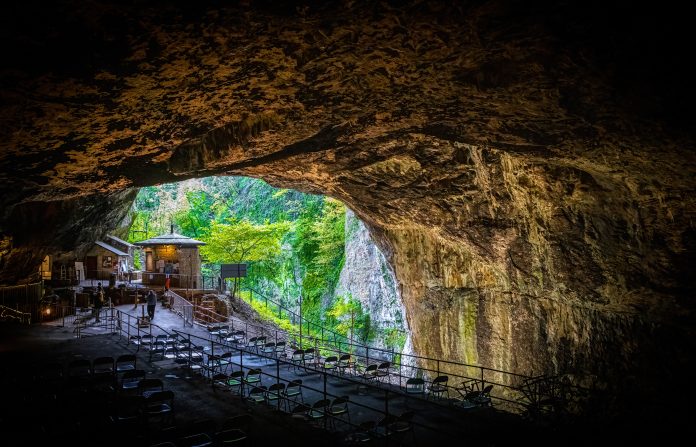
[(307, 253), (531, 186)]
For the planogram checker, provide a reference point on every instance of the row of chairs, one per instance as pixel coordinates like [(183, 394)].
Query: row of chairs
[(154, 407), (396, 427), (81, 367), (206, 432), (278, 395), (225, 333), (231, 436), (325, 411), (303, 358), (471, 398)]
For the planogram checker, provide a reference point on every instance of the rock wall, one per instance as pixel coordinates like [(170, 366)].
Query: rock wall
[(368, 277), (527, 170), (552, 268)]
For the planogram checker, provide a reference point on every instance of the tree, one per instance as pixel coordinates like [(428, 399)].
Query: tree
[(350, 319), (194, 218), (241, 241)]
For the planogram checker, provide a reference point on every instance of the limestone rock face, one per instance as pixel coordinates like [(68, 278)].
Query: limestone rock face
[(368, 278), (527, 170)]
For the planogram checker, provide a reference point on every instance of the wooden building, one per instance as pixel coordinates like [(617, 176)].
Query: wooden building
[(125, 247), (172, 255), (103, 260)]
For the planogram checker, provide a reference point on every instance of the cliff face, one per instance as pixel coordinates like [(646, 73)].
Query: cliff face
[(368, 278), (531, 185)]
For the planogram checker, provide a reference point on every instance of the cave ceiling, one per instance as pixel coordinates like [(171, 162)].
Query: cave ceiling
[(500, 125)]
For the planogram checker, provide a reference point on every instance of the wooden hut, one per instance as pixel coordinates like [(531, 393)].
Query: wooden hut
[(103, 260), (172, 255), (125, 247)]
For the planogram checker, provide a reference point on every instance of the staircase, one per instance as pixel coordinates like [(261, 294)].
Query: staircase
[(205, 312)]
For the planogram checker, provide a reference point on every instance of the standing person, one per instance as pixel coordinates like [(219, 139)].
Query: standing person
[(98, 298), (151, 304), (168, 270)]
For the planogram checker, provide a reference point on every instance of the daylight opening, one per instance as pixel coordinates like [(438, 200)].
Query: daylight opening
[(295, 257)]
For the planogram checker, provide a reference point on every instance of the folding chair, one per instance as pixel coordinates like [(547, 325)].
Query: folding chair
[(159, 406), (130, 379), (309, 357), (345, 363), (280, 349), (253, 377), (338, 410), (293, 393), (149, 386), (79, 368), (257, 394), (383, 370), (103, 365), (236, 380), (368, 374), (274, 396), (231, 436), (195, 440), (438, 387), (318, 411), (330, 363), (126, 362), (297, 358)]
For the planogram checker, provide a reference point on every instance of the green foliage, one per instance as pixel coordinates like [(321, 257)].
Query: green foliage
[(293, 242), (269, 314), (193, 220), (394, 339), (347, 317), (242, 241), (318, 241)]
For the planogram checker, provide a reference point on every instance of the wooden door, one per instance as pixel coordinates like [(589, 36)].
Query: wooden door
[(90, 267)]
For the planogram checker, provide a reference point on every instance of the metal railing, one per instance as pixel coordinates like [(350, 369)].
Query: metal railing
[(182, 307), (10, 314), (20, 300), (206, 353), (512, 391), (518, 392)]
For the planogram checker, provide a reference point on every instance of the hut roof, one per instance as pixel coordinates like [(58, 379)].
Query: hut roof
[(170, 239), (113, 250), (120, 241)]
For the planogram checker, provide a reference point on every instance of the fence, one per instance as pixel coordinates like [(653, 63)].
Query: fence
[(17, 301), (539, 395)]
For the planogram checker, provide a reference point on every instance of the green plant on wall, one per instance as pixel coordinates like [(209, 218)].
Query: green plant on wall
[(318, 242), (347, 317)]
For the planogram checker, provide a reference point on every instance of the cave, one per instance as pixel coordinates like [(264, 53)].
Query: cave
[(527, 169)]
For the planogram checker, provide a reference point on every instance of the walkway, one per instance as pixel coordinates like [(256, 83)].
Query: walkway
[(435, 421)]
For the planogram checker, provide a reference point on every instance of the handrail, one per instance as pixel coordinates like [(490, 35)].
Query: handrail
[(8, 313), (219, 347), (182, 307), (516, 385), (525, 393), (280, 307)]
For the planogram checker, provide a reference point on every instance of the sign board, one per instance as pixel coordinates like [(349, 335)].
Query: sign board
[(233, 270)]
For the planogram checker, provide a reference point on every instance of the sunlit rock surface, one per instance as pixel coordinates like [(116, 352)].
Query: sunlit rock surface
[(528, 170), (367, 277)]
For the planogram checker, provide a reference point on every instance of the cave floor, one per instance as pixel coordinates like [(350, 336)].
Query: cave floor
[(24, 350)]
